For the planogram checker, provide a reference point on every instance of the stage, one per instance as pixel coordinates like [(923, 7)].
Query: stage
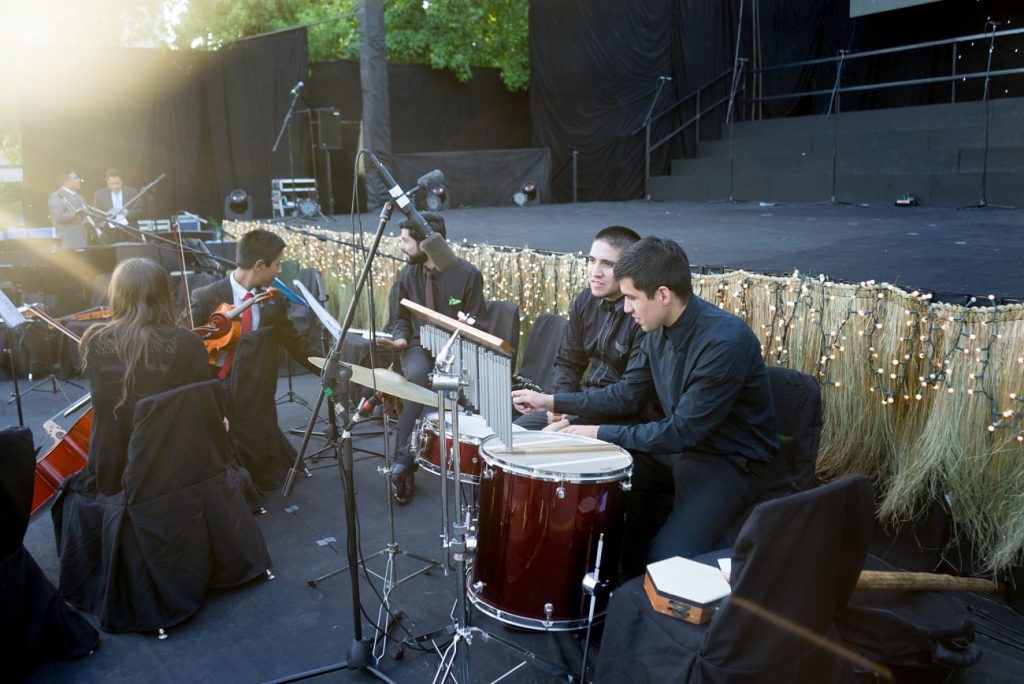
[(946, 251), (269, 629)]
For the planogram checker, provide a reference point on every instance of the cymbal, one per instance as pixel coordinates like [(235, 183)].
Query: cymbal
[(386, 382)]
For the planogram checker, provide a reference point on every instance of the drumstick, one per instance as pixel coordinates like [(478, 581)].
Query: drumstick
[(565, 448)]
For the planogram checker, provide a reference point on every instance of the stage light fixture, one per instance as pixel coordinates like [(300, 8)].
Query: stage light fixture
[(308, 207), (237, 205), (526, 194), (435, 197)]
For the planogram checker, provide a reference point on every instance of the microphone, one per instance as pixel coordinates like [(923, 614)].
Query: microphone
[(429, 180), (433, 244), (297, 88), (366, 406)]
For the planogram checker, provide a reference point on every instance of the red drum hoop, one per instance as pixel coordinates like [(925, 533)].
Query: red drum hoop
[(472, 431)]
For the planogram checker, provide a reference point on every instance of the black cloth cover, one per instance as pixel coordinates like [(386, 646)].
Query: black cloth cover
[(145, 557), (35, 624), (503, 321), (797, 399), (542, 346), (914, 633), (796, 559)]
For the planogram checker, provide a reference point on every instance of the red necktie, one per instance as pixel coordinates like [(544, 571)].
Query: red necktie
[(246, 324), (430, 288)]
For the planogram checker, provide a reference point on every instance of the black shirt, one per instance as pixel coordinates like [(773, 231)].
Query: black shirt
[(460, 288), (707, 372), (600, 335)]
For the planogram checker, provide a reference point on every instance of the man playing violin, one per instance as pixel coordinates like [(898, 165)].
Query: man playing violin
[(249, 366), (704, 367)]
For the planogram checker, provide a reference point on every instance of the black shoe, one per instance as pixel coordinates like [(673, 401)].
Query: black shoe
[(403, 483)]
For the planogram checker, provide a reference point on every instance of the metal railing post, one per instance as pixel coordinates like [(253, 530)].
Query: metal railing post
[(953, 74), (647, 161), (575, 173)]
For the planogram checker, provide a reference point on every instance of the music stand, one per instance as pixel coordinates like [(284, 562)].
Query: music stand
[(12, 318)]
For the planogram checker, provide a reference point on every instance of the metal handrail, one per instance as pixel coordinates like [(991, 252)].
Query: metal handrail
[(895, 84), (835, 90), (889, 51), (692, 121)]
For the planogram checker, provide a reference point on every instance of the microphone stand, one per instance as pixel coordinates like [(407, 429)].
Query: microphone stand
[(12, 318), (335, 378), (286, 125)]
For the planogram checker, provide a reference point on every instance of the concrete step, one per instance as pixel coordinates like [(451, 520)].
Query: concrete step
[(939, 189), (1002, 112)]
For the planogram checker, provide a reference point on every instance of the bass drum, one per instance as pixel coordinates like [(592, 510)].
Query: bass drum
[(543, 506)]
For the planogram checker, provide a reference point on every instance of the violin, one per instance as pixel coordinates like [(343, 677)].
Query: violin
[(225, 325)]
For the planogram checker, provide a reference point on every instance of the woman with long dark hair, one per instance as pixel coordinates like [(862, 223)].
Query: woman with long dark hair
[(139, 352)]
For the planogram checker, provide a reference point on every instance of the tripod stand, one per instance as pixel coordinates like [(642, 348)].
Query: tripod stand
[(983, 203)]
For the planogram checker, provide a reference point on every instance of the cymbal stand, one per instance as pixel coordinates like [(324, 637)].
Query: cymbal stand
[(335, 372)]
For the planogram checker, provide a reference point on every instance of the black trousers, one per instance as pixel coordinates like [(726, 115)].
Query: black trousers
[(682, 504), (416, 366)]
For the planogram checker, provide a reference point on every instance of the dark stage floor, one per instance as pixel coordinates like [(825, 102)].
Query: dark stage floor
[(949, 252), (270, 629)]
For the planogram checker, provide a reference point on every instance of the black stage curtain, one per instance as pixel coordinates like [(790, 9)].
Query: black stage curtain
[(206, 119), (595, 66), (431, 111)]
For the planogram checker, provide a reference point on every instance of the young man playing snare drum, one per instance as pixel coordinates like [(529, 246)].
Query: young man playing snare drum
[(704, 367)]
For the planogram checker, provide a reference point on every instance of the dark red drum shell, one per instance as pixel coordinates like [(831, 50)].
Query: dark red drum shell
[(469, 456), (534, 548)]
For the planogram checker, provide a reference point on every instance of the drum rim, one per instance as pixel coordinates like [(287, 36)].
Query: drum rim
[(618, 475), (431, 420), (534, 624), (435, 470)]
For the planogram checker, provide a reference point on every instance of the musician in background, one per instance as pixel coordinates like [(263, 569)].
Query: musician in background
[(67, 210), (704, 367), (115, 196), (139, 352), (459, 288), (601, 335), (252, 411)]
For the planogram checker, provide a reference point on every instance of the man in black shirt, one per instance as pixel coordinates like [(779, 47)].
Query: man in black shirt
[(704, 367), (459, 288), (600, 335)]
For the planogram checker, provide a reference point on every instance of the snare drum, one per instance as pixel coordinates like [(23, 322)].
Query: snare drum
[(472, 431), (540, 517)]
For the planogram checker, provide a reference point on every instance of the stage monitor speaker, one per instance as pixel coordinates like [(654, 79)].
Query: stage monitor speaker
[(329, 128)]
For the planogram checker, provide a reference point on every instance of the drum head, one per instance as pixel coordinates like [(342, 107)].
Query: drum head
[(558, 457), (473, 429)]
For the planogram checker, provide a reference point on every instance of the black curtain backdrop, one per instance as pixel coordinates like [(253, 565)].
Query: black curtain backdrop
[(431, 111), (594, 68), (206, 119)]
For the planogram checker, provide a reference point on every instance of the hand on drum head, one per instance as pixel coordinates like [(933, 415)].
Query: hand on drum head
[(582, 430), (555, 417), (527, 401), (556, 426)]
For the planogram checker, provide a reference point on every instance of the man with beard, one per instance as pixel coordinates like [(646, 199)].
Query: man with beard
[(459, 288)]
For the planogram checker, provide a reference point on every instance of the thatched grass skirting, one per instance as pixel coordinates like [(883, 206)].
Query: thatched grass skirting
[(924, 398)]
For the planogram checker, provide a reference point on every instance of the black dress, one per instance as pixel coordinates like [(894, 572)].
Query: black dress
[(174, 357)]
